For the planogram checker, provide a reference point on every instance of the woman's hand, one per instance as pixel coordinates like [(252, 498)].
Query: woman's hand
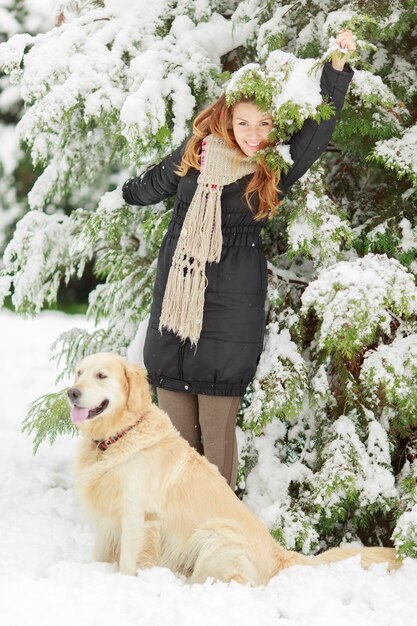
[(345, 41)]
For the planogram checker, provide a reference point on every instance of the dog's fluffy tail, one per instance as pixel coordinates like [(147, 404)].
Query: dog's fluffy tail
[(368, 557)]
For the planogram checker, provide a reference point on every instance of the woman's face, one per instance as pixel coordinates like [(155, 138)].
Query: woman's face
[(251, 127)]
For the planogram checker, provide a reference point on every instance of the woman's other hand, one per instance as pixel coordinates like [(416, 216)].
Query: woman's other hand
[(346, 43)]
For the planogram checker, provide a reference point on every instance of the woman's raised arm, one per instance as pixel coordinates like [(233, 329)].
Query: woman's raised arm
[(312, 139)]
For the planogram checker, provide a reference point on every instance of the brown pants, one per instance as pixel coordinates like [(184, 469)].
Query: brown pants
[(208, 424)]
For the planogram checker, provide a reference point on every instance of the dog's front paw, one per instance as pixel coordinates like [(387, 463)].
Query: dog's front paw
[(128, 569)]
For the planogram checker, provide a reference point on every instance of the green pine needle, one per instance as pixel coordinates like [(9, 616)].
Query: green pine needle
[(48, 417)]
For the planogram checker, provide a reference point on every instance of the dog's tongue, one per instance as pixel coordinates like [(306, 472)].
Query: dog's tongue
[(79, 414)]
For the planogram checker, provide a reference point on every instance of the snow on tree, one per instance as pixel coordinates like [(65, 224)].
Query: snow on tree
[(16, 16), (328, 433)]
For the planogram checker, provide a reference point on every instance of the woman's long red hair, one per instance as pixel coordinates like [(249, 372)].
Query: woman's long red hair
[(217, 120)]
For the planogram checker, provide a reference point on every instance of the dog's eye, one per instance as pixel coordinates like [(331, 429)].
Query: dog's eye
[(78, 373), (101, 375)]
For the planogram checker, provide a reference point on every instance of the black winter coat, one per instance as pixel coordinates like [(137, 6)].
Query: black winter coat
[(231, 340)]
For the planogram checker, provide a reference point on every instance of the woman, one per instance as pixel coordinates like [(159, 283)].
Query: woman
[(206, 329)]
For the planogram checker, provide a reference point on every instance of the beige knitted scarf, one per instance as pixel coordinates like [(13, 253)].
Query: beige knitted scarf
[(200, 240)]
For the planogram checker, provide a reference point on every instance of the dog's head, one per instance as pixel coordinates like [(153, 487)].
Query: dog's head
[(107, 394)]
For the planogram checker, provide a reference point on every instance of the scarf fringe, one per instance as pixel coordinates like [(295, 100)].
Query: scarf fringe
[(200, 241)]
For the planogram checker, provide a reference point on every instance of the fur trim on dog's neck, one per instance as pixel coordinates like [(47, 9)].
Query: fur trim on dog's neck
[(103, 444)]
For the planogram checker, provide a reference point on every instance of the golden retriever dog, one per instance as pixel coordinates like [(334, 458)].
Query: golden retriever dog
[(153, 500)]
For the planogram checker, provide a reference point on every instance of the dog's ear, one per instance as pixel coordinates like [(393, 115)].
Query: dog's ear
[(138, 393)]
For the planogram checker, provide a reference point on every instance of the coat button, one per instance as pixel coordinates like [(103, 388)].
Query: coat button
[(186, 387)]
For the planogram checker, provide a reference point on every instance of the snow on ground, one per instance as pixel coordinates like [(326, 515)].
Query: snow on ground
[(47, 577)]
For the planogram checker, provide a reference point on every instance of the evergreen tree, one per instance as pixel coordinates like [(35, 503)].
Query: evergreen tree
[(328, 428), (16, 176)]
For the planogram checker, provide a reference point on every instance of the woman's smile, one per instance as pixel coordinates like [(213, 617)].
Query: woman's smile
[(251, 127)]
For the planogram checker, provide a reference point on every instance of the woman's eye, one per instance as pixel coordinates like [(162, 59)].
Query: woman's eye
[(101, 375)]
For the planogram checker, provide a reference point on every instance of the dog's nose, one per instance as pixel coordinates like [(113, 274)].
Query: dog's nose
[(73, 393)]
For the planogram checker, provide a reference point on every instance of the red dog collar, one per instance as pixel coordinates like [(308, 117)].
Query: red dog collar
[(103, 444)]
